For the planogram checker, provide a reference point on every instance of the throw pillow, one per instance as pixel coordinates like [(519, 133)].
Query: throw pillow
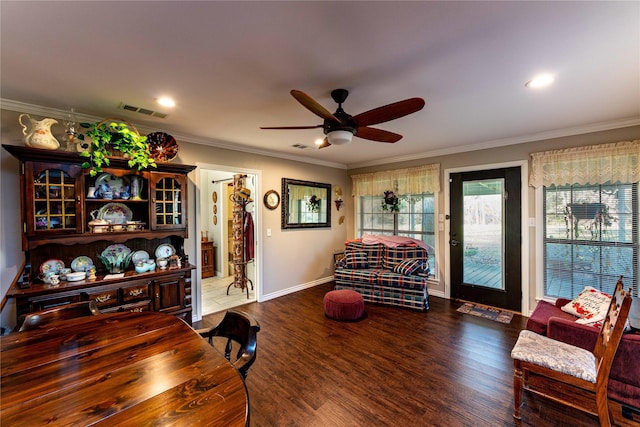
[(590, 306), (356, 260), (408, 267)]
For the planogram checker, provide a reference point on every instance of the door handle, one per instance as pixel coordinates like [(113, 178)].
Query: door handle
[(454, 242)]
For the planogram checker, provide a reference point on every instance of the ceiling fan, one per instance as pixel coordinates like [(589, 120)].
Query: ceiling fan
[(340, 127)]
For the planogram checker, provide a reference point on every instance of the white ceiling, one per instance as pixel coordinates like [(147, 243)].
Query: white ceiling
[(230, 67)]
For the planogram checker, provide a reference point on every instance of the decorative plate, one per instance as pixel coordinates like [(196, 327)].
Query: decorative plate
[(163, 147), (115, 213), (165, 251), (139, 256), (51, 265), (82, 263), (115, 250), (114, 184)]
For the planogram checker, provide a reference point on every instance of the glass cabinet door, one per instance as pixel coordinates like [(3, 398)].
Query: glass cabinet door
[(52, 198), (168, 201)]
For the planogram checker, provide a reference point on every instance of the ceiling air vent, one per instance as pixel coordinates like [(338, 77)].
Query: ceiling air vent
[(144, 111), (300, 146)]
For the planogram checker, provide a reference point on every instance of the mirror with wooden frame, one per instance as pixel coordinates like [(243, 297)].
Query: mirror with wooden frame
[(305, 204)]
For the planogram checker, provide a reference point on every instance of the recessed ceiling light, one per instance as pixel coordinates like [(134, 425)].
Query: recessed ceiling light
[(318, 141), (166, 102), (541, 80)]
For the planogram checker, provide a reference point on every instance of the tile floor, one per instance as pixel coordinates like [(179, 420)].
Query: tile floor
[(215, 298)]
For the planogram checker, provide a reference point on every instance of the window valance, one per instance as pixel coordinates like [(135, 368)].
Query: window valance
[(594, 164), (418, 180)]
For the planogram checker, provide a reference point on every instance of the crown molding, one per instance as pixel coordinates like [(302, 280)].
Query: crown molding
[(56, 113), (541, 136)]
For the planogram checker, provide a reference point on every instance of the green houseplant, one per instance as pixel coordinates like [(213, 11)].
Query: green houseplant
[(112, 137)]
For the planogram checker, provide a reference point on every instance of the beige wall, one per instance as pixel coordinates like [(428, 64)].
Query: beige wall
[(512, 153)]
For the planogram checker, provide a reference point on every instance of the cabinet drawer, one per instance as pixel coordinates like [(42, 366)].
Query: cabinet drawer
[(137, 307), (104, 299), (37, 304), (135, 293)]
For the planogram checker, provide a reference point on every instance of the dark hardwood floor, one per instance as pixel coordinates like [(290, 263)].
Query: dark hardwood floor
[(396, 367)]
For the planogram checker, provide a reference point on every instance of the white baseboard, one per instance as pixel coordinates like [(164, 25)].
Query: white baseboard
[(283, 292)]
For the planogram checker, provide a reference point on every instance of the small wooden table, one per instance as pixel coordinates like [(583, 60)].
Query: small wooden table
[(132, 369)]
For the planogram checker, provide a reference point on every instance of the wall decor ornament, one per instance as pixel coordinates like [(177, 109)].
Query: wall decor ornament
[(271, 199), (390, 202)]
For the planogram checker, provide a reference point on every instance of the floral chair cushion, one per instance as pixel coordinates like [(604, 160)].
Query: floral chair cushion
[(556, 355)]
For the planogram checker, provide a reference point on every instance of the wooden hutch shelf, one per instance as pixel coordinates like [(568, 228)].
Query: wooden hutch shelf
[(56, 213)]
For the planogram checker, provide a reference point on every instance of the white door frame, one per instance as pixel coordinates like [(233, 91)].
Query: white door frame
[(196, 285), (524, 174)]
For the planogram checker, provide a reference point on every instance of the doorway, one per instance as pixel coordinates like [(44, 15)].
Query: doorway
[(215, 290), (485, 244)]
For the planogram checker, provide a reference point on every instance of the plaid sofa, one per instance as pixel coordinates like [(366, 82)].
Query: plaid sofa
[(385, 275)]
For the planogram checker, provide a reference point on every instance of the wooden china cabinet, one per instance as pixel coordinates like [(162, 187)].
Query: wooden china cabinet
[(58, 201)]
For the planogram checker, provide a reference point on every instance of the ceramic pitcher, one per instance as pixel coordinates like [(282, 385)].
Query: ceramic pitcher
[(38, 133)]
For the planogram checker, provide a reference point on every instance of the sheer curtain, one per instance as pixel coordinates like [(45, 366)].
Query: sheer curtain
[(418, 180), (594, 164)]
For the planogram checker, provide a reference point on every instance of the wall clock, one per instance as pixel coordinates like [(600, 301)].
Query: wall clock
[(271, 199)]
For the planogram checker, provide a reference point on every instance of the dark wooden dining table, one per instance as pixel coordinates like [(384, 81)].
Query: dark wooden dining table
[(134, 369)]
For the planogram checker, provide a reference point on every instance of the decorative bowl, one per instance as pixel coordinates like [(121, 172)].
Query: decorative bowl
[(141, 267), (76, 276)]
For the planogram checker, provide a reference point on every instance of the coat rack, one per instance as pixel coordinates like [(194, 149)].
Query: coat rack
[(240, 203)]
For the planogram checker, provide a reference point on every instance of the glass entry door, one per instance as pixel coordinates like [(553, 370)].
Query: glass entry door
[(485, 237)]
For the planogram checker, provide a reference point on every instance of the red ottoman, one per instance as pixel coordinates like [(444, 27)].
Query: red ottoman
[(343, 304)]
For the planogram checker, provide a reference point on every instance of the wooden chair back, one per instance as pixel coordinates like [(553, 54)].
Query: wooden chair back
[(39, 319), (240, 330), (611, 332)]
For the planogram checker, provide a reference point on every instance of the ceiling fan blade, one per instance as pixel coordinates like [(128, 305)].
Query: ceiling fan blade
[(379, 135), (312, 105), (389, 112), (293, 127), (325, 143)]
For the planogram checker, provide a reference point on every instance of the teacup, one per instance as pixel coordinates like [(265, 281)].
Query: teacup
[(51, 277)]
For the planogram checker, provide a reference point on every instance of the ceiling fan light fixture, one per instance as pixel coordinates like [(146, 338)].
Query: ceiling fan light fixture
[(339, 137)]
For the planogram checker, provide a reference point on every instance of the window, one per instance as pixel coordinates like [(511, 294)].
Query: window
[(590, 238), (416, 219)]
